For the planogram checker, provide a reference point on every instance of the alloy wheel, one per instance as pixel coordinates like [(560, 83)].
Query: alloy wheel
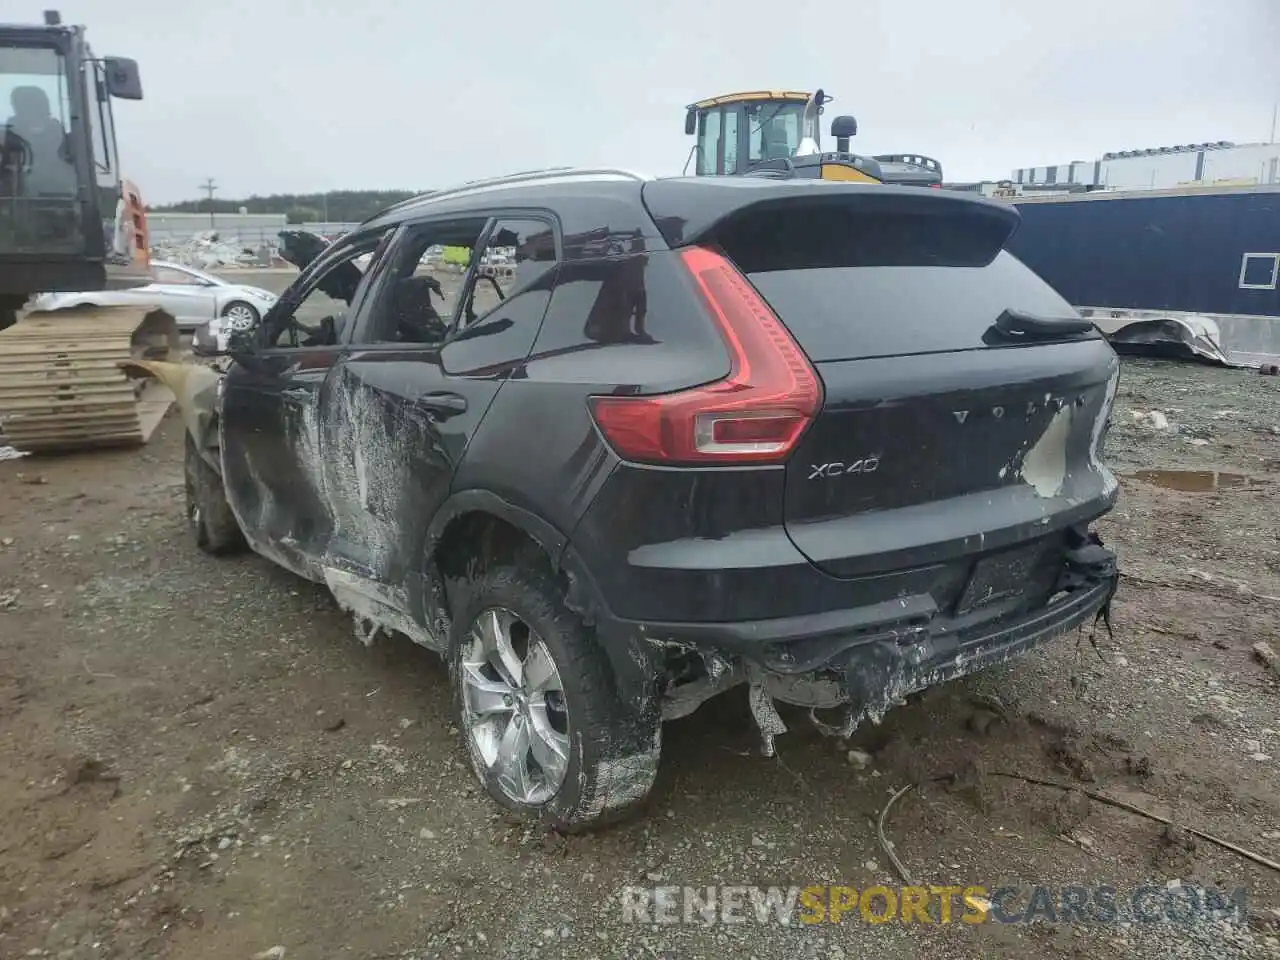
[(514, 707), (240, 317)]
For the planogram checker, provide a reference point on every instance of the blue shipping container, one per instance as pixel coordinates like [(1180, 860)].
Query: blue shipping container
[(1215, 252)]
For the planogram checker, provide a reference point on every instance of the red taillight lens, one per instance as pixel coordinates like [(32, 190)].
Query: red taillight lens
[(754, 415)]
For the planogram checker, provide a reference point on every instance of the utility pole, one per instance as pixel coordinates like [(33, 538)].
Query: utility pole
[(1275, 112), (209, 187)]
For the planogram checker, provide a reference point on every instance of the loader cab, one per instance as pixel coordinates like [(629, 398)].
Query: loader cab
[(60, 183), (739, 130), (768, 133)]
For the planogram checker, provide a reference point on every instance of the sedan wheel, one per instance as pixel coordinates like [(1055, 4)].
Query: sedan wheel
[(514, 707), (240, 316)]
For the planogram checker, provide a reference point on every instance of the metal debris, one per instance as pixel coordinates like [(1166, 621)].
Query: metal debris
[(766, 717)]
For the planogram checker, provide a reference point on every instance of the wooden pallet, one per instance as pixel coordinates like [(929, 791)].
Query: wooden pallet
[(62, 386)]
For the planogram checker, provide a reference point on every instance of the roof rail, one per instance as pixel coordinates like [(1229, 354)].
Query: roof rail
[(515, 179), (547, 173), (533, 176)]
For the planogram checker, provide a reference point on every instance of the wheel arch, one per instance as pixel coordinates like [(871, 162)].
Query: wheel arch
[(471, 515), (468, 513)]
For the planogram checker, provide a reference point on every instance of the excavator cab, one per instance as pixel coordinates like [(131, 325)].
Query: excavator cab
[(772, 133), (68, 221)]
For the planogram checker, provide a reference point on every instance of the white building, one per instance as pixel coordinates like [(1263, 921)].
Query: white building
[(1164, 167)]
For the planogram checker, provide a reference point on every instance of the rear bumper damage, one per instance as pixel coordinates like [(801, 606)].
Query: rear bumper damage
[(861, 661)]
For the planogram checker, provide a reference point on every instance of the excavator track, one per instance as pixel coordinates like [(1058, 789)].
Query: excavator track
[(63, 379)]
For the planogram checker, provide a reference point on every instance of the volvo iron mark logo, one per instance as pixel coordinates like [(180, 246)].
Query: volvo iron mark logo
[(1033, 407)]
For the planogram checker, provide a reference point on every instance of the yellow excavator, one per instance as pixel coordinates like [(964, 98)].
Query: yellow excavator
[(70, 222), (776, 133)]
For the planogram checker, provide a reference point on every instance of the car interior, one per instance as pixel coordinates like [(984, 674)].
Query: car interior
[(414, 306)]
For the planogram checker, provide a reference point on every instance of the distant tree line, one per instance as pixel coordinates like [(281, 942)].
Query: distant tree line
[(342, 206)]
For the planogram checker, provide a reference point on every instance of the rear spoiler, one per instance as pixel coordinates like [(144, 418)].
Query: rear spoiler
[(689, 209)]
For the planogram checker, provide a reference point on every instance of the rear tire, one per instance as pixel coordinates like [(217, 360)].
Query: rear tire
[(209, 516), (597, 765)]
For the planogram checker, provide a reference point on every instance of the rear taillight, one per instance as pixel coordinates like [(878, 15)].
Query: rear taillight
[(756, 414)]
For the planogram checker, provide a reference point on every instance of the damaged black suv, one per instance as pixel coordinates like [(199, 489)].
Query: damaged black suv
[(613, 445)]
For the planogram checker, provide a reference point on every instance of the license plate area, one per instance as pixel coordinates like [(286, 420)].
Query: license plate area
[(1000, 578)]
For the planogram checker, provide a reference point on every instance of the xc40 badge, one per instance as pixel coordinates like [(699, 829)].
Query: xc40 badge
[(827, 471)]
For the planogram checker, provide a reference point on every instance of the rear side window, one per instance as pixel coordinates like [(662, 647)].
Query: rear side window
[(854, 286)]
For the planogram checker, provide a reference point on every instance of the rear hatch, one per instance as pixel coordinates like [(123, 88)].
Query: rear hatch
[(964, 400)]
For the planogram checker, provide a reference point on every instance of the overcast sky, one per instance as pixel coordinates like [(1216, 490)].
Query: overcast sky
[(311, 95)]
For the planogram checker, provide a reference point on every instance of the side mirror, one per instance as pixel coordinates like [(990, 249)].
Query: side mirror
[(123, 79), (222, 341), (690, 122)]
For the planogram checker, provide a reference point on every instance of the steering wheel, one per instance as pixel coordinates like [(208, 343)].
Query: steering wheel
[(325, 333), (11, 142)]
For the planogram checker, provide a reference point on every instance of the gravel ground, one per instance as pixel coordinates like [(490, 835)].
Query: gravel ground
[(198, 760)]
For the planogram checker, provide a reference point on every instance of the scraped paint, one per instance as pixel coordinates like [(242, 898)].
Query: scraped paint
[(1045, 465)]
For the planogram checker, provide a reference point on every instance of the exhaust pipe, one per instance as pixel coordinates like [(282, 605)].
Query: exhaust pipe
[(810, 131)]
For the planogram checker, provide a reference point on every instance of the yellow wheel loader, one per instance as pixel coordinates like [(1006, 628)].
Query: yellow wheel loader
[(777, 133)]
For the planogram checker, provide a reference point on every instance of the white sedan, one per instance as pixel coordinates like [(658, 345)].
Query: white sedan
[(193, 297)]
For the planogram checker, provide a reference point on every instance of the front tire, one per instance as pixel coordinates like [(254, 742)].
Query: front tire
[(213, 525), (240, 316), (538, 715)]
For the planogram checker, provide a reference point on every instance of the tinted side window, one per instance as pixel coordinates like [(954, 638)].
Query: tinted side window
[(634, 319), (516, 254), (497, 344)]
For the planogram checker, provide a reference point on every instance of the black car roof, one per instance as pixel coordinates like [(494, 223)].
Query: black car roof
[(594, 205)]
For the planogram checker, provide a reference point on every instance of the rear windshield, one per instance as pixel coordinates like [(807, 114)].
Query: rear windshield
[(845, 313), (852, 286)]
